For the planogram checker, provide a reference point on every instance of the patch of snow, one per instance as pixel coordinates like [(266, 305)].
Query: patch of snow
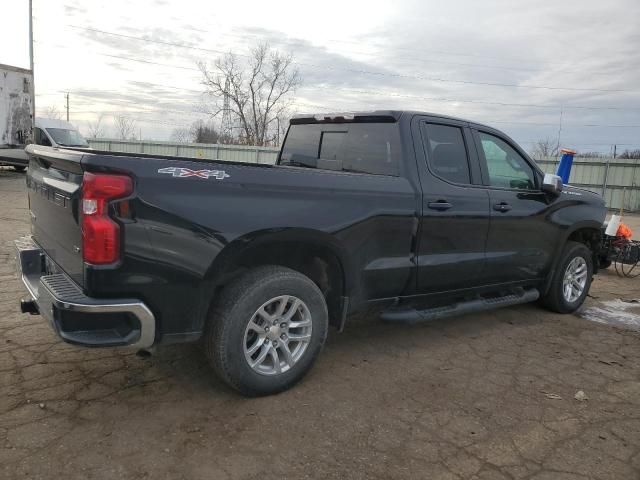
[(615, 312)]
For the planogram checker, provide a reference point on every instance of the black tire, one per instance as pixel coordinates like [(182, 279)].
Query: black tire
[(19, 168), (234, 309), (554, 299)]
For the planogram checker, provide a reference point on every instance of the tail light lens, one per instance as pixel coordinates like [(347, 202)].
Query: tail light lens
[(100, 234)]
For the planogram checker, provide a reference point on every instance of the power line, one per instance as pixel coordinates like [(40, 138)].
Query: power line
[(453, 100), (385, 93), (402, 95), (437, 52), (328, 67), (423, 60), (131, 59), (313, 105), (343, 41), (166, 110), (149, 40), (147, 61), (370, 92)]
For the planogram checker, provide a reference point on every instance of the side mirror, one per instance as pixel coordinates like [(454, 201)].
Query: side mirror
[(552, 184)]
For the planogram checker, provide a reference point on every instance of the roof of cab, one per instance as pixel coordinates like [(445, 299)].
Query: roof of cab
[(390, 115)]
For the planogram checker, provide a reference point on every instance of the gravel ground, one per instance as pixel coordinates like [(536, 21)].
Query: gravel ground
[(486, 396)]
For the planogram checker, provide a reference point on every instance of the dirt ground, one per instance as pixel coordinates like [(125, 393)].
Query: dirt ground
[(486, 396)]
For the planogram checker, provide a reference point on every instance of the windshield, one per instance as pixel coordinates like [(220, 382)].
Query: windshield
[(67, 138)]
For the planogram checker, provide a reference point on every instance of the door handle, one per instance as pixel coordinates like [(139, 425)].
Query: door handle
[(439, 205), (502, 207)]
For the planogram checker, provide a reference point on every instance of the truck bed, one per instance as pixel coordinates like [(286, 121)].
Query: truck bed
[(189, 219)]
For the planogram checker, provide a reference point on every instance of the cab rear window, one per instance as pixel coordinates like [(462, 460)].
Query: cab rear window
[(351, 147)]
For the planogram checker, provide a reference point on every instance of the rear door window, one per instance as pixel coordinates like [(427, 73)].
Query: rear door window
[(351, 147), (301, 147), (447, 152), (331, 144)]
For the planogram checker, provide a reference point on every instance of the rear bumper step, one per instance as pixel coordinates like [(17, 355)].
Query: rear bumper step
[(75, 317), (476, 305)]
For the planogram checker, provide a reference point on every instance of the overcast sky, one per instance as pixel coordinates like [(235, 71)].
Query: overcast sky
[(505, 63)]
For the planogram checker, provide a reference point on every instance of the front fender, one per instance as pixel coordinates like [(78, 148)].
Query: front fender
[(571, 220)]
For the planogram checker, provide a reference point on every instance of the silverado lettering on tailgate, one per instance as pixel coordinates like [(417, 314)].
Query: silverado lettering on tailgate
[(49, 193)]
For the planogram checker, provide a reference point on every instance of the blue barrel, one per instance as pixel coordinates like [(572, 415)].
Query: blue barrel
[(564, 169)]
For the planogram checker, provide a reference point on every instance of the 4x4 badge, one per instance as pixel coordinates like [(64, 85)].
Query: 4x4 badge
[(187, 172)]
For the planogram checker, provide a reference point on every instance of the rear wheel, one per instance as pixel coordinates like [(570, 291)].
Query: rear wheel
[(19, 168), (266, 330), (572, 279)]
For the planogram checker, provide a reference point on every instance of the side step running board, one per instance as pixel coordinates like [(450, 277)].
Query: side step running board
[(476, 305)]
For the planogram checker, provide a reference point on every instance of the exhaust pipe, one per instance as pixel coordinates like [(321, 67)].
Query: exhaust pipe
[(29, 305)]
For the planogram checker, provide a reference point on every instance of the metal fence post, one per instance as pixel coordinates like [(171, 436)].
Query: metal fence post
[(606, 176), (257, 155)]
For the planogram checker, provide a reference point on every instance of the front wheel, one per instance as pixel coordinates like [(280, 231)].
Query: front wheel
[(19, 168), (571, 281), (266, 330)]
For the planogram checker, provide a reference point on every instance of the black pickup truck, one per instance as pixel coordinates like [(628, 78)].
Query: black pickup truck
[(423, 215)]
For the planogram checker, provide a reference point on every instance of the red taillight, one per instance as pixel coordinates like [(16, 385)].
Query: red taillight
[(100, 234)]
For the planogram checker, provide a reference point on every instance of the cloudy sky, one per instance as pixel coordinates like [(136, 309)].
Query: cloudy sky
[(524, 67)]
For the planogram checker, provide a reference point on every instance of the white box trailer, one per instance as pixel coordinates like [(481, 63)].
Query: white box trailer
[(16, 114)]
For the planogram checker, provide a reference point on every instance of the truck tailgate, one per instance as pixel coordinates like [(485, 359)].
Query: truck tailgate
[(54, 181)]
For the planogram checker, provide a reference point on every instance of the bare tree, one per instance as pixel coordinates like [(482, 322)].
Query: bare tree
[(629, 154), (204, 132), (96, 128), (590, 155), (545, 148), (256, 93), (52, 112), (181, 135), (125, 127), (199, 132)]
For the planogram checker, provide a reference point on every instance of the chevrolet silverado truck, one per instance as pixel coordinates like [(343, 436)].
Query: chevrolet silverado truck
[(424, 216)]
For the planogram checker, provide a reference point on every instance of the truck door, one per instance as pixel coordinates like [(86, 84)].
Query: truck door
[(520, 242), (455, 206)]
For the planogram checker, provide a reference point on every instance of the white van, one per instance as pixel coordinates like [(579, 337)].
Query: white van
[(57, 133)]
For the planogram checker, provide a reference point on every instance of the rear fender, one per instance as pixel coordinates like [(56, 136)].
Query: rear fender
[(283, 247)]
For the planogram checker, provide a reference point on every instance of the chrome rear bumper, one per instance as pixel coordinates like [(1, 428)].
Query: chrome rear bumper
[(77, 318)]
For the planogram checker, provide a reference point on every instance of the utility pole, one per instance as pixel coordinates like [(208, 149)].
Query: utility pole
[(33, 85), (560, 127), (615, 148), (67, 97)]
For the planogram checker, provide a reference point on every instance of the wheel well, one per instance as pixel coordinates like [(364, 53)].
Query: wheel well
[(315, 261), (592, 239)]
